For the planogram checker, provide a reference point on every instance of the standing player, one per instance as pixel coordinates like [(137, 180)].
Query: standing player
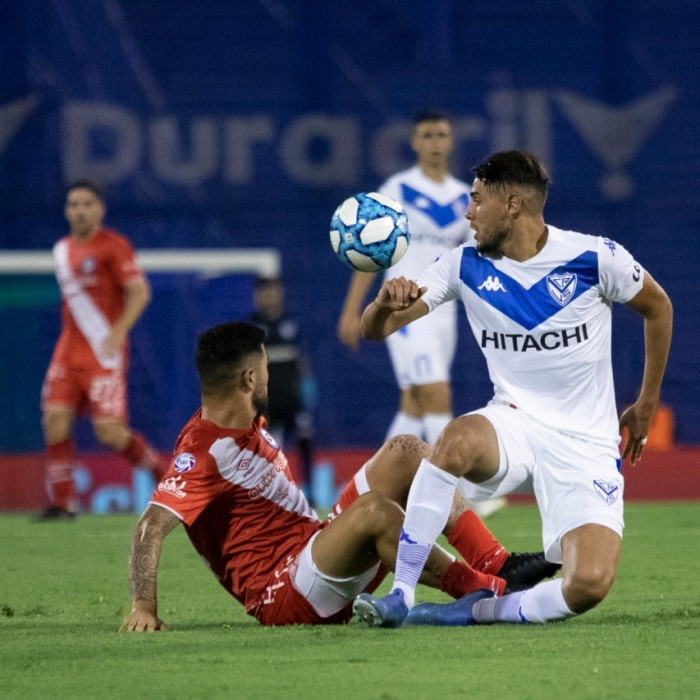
[(104, 292), (287, 413), (539, 303), (229, 484), (421, 354)]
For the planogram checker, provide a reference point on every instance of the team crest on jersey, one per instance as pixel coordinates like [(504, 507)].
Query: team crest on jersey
[(184, 462), (269, 439), (562, 287), (607, 490), (87, 266)]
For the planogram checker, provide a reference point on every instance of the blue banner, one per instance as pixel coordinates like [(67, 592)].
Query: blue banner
[(244, 124)]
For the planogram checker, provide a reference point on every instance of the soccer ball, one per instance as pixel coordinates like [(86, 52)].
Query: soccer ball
[(369, 232)]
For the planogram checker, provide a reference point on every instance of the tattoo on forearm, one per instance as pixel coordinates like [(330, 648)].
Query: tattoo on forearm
[(145, 555), (146, 547)]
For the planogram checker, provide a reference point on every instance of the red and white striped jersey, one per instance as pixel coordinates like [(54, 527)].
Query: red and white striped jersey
[(234, 492)]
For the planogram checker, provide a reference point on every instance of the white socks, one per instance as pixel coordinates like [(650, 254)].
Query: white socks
[(428, 427), (543, 603), (403, 424), (427, 511), (434, 424)]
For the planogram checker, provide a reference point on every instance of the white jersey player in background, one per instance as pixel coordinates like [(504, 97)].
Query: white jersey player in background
[(538, 300), (435, 203)]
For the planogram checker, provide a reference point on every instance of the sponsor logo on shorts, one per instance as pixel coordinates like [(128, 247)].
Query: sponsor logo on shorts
[(184, 462), (173, 485), (607, 490)]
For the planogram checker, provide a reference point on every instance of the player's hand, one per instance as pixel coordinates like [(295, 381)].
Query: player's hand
[(113, 343), (349, 330), (398, 294), (637, 419), (140, 620)]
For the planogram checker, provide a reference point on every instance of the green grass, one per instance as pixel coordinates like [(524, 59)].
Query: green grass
[(63, 593)]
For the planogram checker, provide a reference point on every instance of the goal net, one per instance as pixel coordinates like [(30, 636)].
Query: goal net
[(191, 291)]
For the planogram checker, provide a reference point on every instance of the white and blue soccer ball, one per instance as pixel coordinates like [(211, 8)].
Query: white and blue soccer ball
[(369, 232)]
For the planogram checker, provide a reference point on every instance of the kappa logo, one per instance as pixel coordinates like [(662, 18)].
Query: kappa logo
[(562, 287), (607, 490), (610, 244), (403, 537), (492, 284)]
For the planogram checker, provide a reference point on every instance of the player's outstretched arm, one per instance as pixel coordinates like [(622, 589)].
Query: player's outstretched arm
[(146, 545), (656, 308), (396, 305)]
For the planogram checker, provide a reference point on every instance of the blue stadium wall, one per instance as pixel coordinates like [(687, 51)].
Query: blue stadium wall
[(244, 124)]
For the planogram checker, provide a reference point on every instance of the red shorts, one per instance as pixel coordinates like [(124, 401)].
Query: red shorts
[(282, 604), (101, 392)]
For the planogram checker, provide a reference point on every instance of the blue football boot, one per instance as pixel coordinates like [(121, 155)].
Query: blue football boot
[(389, 611), (458, 613)]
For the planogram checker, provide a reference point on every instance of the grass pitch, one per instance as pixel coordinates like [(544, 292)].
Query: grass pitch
[(63, 593)]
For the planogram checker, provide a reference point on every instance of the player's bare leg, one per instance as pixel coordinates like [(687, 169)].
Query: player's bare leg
[(591, 554), (130, 444), (391, 472), (57, 424), (367, 533), (468, 446)]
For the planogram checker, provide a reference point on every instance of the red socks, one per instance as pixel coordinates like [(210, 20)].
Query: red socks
[(140, 454), (461, 579), (475, 542), (59, 475)]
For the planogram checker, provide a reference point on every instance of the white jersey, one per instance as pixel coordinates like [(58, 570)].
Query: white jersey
[(544, 325), (435, 213)]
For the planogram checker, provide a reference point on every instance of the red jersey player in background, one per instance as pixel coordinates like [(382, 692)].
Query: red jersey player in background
[(103, 292), (231, 487)]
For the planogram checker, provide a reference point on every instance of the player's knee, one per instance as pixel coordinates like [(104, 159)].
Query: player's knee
[(109, 434), (460, 444), (56, 426), (376, 512), (583, 590), (407, 450)]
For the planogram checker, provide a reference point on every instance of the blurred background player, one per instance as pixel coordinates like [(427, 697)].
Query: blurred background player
[(104, 292), (422, 353), (293, 387)]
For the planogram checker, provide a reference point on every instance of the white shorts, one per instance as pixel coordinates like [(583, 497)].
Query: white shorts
[(422, 352), (327, 595), (574, 481)]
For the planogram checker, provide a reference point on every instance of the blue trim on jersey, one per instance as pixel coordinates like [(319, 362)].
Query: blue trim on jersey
[(442, 214), (528, 307)]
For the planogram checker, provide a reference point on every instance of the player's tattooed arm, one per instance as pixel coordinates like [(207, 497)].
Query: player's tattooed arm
[(146, 545), (147, 542)]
